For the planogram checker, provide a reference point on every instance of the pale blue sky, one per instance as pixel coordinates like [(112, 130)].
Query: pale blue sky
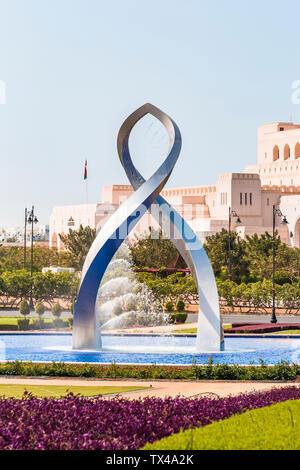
[(74, 69)]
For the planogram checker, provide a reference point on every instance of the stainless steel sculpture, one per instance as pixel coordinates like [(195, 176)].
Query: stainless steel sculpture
[(86, 333)]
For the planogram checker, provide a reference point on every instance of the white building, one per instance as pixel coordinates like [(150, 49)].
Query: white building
[(274, 180)]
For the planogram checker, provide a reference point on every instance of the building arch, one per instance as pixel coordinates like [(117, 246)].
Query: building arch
[(296, 235), (275, 153), (297, 150), (61, 244), (286, 152), (54, 240)]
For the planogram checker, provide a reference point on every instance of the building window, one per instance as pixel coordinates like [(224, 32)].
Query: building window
[(275, 153), (268, 201), (250, 199), (287, 152), (246, 199), (297, 150), (241, 199)]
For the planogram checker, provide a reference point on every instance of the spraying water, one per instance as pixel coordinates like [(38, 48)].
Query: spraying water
[(124, 302)]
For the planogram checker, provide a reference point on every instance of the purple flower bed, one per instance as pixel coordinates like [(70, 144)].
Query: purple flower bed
[(75, 422), (261, 327)]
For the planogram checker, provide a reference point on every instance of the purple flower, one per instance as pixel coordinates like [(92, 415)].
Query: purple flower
[(76, 422)]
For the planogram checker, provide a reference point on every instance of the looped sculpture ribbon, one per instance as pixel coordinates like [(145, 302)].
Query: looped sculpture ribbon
[(86, 332)]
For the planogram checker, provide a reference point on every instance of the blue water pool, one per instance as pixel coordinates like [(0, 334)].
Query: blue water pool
[(147, 349)]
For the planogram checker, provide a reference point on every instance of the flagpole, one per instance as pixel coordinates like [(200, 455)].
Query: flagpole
[(86, 181)]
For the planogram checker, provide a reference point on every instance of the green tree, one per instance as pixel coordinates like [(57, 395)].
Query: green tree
[(50, 286), (216, 247), (259, 252), (77, 244), (152, 250), (12, 258), (15, 286), (173, 287)]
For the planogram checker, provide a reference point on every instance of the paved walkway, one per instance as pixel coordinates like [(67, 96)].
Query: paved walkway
[(157, 388)]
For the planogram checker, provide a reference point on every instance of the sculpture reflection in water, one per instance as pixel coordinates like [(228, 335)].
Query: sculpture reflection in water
[(86, 333)]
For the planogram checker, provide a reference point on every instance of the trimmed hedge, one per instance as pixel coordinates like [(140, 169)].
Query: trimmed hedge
[(178, 317), (9, 327), (279, 371), (23, 324), (37, 324)]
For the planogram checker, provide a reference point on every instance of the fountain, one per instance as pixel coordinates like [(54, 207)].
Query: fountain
[(109, 296), (86, 332)]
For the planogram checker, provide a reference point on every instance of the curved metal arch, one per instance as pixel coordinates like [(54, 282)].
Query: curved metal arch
[(85, 332)]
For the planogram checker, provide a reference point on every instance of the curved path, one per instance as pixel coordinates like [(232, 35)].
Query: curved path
[(157, 388)]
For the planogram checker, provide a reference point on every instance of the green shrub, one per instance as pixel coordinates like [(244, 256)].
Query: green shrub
[(208, 371), (181, 317), (178, 317), (169, 306), (56, 310), (9, 327), (70, 322), (23, 324), (38, 324), (58, 323), (24, 308), (40, 308), (180, 306)]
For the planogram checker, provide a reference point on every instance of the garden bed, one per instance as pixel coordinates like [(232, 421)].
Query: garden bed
[(76, 422), (262, 327)]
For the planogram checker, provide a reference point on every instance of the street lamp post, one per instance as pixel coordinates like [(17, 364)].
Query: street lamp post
[(278, 212), (25, 238), (231, 213), (32, 219)]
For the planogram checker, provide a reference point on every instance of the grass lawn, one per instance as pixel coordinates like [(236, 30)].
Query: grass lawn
[(274, 427), (14, 320), (7, 323), (9, 320), (287, 332), (56, 391), (194, 330)]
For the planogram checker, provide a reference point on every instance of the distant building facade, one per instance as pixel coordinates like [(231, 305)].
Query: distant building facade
[(15, 235), (275, 179)]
